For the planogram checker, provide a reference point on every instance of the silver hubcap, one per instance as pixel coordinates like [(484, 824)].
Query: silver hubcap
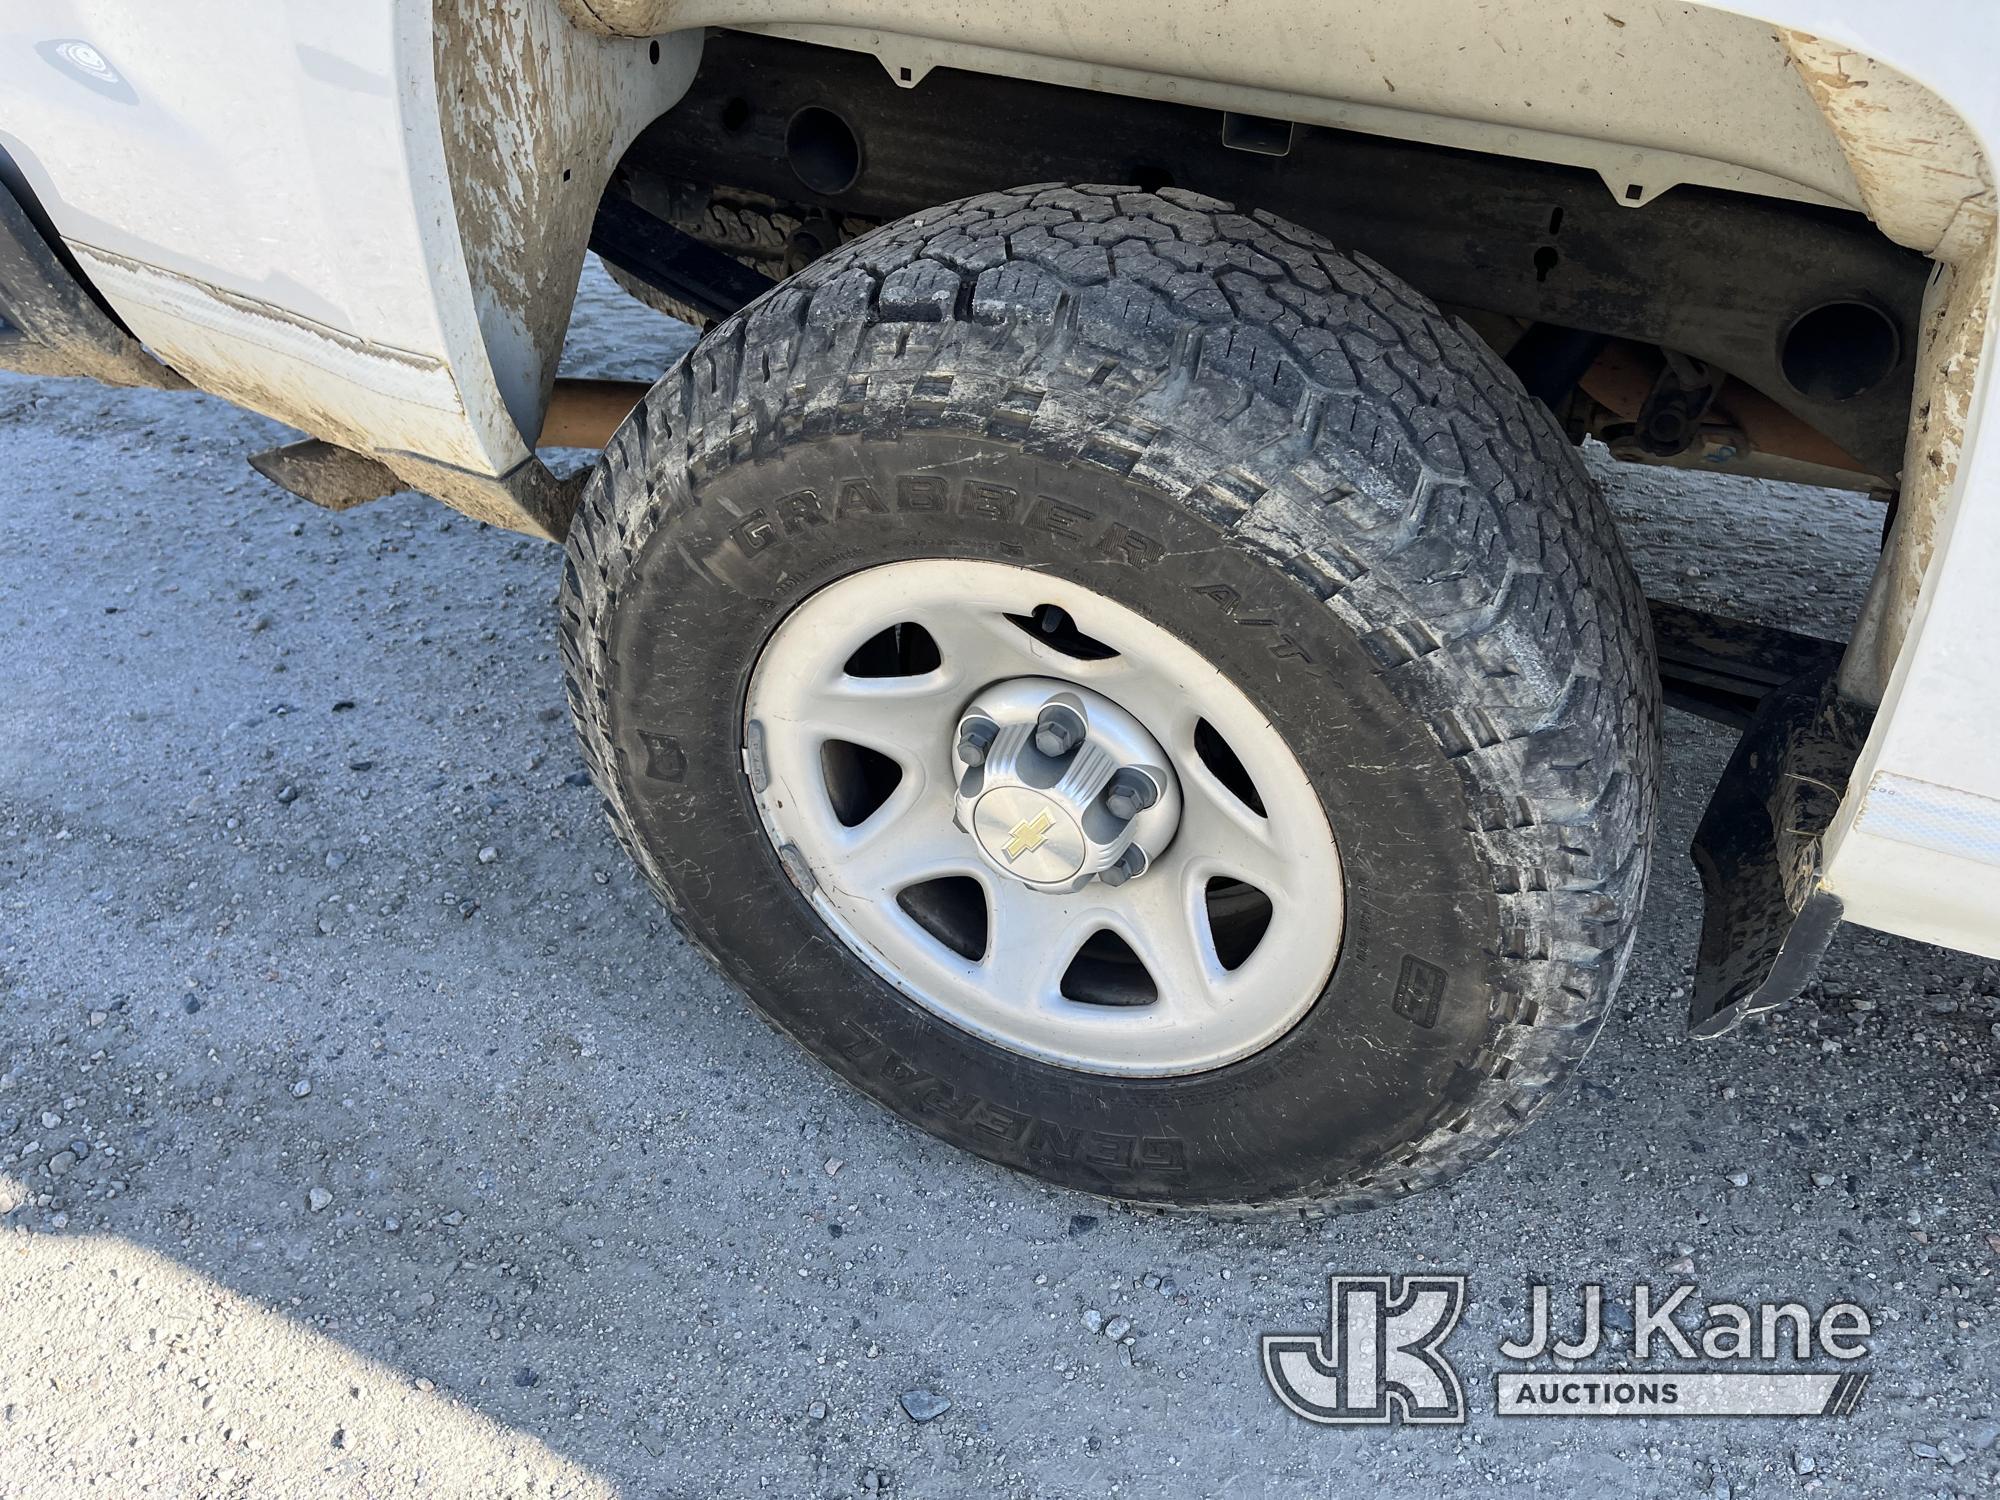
[(1044, 817), (1061, 786)]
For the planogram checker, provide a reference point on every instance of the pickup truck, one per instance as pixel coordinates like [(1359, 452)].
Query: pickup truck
[(1107, 637)]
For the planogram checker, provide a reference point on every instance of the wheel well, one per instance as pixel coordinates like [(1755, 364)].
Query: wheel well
[(1745, 288)]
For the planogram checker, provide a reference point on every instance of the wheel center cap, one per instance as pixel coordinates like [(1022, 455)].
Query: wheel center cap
[(1029, 834), (1059, 785)]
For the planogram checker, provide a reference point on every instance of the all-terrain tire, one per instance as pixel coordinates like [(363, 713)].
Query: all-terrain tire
[(1291, 460)]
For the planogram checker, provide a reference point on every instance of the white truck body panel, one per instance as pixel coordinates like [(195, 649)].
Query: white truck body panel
[(262, 192), (239, 184)]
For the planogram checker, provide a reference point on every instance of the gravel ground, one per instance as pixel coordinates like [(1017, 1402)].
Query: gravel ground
[(365, 1130)]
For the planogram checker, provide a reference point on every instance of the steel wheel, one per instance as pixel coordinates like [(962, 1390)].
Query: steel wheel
[(1043, 817)]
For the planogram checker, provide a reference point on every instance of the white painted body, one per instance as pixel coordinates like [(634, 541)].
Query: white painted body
[(362, 219), (259, 159)]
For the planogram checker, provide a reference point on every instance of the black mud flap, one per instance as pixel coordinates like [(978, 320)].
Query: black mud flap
[(1765, 920)]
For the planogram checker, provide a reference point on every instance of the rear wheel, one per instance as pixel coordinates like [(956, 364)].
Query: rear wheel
[(1138, 692)]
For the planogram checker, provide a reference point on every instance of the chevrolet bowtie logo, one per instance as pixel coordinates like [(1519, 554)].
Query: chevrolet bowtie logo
[(1026, 836)]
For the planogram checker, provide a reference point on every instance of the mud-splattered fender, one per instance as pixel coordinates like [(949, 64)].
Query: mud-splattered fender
[(365, 220)]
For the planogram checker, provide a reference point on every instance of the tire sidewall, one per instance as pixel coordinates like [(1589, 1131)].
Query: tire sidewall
[(1389, 1050)]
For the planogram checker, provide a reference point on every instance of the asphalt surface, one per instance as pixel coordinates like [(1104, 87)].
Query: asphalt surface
[(419, 1158)]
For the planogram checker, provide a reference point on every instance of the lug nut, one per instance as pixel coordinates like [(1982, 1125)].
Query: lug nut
[(1058, 730), (975, 738), (1130, 793), (1132, 862)]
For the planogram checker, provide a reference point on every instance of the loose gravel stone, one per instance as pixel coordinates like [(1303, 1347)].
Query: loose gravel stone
[(924, 1406), (318, 1198)]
